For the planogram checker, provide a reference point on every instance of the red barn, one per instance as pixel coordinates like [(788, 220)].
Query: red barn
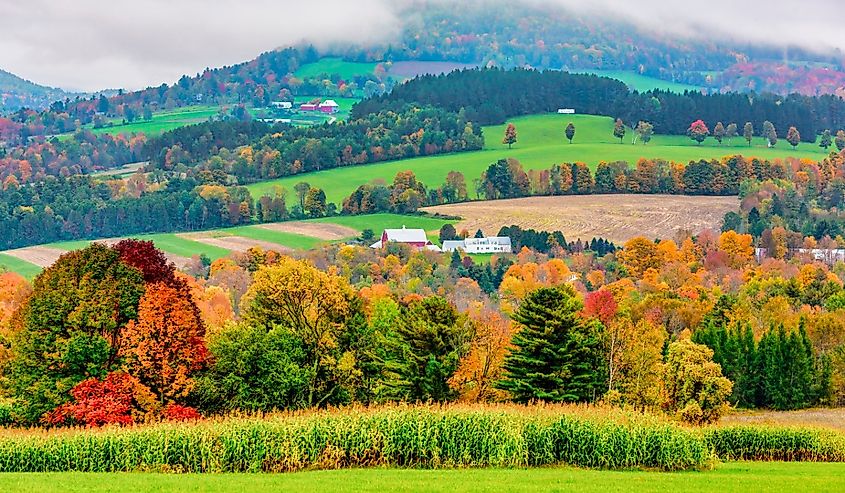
[(329, 106), (414, 237), (308, 107)]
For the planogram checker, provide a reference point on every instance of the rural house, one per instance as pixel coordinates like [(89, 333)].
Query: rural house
[(414, 237), (493, 244), (329, 106)]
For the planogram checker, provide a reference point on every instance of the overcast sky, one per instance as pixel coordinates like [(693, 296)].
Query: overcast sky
[(97, 44)]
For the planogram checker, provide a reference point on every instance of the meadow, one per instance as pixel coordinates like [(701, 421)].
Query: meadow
[(333, 65), (218, 243), (541, 143), (641, 83), (748, 477), (161, 122)]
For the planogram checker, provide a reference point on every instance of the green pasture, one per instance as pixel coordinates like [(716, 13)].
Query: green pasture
[(379, 222), (331, 66), (745, 477), (22, 267), (641, 83), (541, 143), (162, 121)]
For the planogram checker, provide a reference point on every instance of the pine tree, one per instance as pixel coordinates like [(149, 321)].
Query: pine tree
[(557, 355)]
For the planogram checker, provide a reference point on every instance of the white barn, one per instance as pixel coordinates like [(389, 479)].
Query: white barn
[(493, 244)]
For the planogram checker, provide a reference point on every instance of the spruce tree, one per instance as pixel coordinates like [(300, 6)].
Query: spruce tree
[(557, 355)]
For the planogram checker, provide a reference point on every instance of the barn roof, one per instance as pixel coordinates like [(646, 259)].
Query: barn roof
[(406, 235), (329, 102)]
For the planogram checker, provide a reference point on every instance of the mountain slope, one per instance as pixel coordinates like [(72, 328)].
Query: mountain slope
[(16, 93)]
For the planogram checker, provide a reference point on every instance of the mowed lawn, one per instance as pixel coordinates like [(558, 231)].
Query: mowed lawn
[(541, 143), (745, 477)]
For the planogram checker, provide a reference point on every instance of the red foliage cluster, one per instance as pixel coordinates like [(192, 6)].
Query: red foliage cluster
[(98, 403), (144, 256), (175, 412), (601, 305)]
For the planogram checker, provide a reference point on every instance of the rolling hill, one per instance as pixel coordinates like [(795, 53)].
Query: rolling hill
[(17, 93), (541, 143)]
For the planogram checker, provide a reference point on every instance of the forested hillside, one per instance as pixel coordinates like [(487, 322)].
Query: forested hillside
[(17, 93)]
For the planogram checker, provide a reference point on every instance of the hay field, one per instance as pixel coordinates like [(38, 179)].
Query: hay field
[(614, 217)]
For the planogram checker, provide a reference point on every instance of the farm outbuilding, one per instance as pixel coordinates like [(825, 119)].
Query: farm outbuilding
[(493, 244), (329, 106), (414, 237), (566, 111), (309, 107)]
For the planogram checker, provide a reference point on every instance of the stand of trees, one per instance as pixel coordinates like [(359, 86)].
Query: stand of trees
[(490, 96)]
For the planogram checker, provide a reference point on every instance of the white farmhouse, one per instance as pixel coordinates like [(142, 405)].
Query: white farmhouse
[(566, 111), (493, 244)]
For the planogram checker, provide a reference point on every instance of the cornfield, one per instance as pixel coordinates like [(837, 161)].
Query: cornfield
[(408, 436), (774, 443), (402, 436)]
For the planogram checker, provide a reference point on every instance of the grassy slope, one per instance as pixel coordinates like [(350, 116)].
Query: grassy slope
[(642, 83), (378, 222), (739, 476), (346, 70), (541, 144), (14, 264)]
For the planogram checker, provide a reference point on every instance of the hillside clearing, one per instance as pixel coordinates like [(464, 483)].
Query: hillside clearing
[(641, 83), (322, 231), (613, 217), (734, 476), (541, 143)]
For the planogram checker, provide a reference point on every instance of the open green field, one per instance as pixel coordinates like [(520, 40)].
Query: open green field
[(641, 83), (330, 66), (746, 477), (218, 243), (541, 143), (13, 264), (162, 121)]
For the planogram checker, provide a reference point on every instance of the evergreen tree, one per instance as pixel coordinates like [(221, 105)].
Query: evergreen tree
[(479, 234), (557, 355)]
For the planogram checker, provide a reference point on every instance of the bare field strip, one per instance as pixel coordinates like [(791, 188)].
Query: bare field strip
[(178, 260), (322, 231), (233, 243), (614, 217), (39, 255)]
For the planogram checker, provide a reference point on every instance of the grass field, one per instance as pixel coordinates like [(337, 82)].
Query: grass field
[(642, 83), (541, 144), (13, 264), (330, 66), (162, 121), (217, 243), (746, 477), (613, 217)]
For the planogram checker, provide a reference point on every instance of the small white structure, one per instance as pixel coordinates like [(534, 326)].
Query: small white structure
[(282, 105), (329, 106), (414, 237), (493, 244), (566, 111)]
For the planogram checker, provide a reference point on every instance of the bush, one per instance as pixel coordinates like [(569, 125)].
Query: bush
[(402, 436)]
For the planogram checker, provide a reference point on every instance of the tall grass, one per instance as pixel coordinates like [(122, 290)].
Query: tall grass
[(404, 436)]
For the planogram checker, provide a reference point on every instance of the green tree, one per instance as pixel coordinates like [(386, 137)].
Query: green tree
[(302, 188), (570, 131), (315, 202), (696, 390), (447, 232), (557, 355), (429, 342), (748, 132), (793, 137), (510, 135), (826, 140), (619, 130), (255, 369)]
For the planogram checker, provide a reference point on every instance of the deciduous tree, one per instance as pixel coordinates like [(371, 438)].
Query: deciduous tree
[(510, 135)]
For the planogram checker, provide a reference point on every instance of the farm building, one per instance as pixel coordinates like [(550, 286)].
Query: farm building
[(493, 244), (282, 105), (329, 106), (414, 237), (566, 111), (308, 107)]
